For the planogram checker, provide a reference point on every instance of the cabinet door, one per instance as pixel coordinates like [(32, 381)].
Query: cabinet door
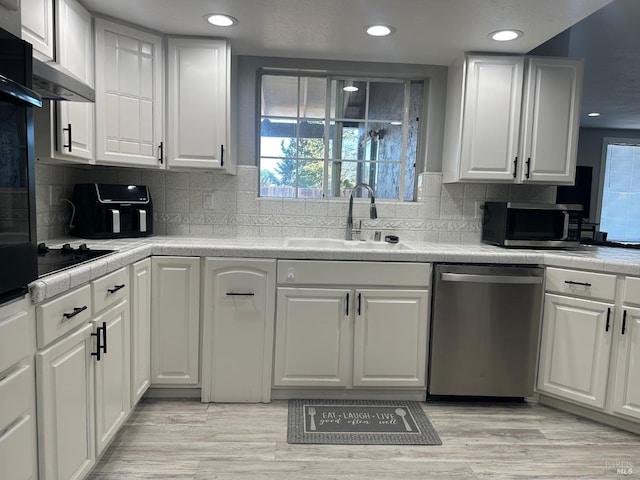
[(112, 373), (74, 131), (390, 338), (313, 337), (140, 329), (37, 26), (491, 118), (576, 343), (198, 103), (129, 89), (74, 34), (239, 304), (175, 320), (65, 396), (551, 120), (626, 393)]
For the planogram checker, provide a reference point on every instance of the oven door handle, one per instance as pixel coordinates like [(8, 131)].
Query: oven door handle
[(565, 228), (473, 278)]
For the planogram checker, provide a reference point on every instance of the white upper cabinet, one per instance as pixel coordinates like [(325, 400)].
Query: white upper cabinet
[(511, 119), (551, 120), (129, 96), (198, 104), (74, 36), (65, 130), (37, 27)]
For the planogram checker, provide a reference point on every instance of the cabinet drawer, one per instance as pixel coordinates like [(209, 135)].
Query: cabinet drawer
[(632, 291), (108, 290), (16, 392), (374, 274), (581, 284), (62, 315), (15, 334)]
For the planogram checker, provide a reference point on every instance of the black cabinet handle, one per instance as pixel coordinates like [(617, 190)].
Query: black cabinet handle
[(347, 304), (584, 284), (624, 322), (359, 302), (75, 312), (515, 167), (238, 294), (606, 328), (97, 334), (222, 155), (68, 129), (527, 173), (104, 337), (161, 152), (115, 288)]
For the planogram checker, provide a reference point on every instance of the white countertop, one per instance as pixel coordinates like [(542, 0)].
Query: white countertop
[(600, 259)]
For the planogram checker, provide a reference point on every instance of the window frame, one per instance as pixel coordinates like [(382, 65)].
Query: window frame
[(421, 131), (606, 141)]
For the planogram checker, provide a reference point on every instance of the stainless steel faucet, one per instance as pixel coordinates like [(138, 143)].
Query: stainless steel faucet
[(373, 212)]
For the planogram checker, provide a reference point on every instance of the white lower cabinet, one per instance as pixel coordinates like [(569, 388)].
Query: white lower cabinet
[(112, 373), (626, 388), (239, 298), (140, 329), (389, 347), (175, 321), (18, 453), (336, 335), (575, 350), (313, 336), (65, 392)]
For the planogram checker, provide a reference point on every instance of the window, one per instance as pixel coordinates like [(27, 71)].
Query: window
[(619, 213), (320, 135)]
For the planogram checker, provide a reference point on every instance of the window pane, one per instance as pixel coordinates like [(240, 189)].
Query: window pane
[(270, 182), (310, 179), (386, 101), (277, 138), (620, 217), (348, 104), (279, 96), (311, 142), (313, 93), (384, 142)]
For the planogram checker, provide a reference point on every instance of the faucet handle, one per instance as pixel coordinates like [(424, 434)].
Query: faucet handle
[(359, 229)]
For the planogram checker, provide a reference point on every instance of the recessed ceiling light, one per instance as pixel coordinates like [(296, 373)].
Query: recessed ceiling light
[(593, 114), (380, 30), (350, 88), (220, 19), (505, 35), (395, 124)]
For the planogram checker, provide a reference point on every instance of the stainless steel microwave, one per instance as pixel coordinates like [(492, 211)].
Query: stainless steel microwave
[(536, 225)]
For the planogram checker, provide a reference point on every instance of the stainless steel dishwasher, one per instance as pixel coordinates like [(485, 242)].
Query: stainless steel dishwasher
[(484, 330)]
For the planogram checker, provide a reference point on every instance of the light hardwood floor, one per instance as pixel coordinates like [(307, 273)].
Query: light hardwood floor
[(185, 439)]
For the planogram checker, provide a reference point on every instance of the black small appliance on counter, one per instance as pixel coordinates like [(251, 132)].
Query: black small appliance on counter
[(112, 211)]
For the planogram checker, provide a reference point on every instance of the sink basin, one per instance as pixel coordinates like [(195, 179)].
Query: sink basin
[(334, 243)]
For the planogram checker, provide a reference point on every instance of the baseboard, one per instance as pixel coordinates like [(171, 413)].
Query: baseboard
[(173, 392), (600, 417), (417, 395)]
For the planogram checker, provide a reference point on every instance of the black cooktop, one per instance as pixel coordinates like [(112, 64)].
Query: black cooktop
[(51, 260)]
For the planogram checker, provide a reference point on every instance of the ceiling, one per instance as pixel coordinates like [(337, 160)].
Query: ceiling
[(609, 42), (431, 32)]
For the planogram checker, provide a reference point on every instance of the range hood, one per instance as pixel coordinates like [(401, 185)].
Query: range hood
[(54, 84)]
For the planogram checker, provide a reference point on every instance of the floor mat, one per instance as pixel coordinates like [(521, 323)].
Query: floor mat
[(359, 422)]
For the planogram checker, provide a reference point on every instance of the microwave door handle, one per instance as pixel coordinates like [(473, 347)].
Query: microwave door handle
[(115, 218), (565, 231), (143, 220)]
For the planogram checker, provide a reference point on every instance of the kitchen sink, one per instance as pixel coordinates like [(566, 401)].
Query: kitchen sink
[(334, 243)]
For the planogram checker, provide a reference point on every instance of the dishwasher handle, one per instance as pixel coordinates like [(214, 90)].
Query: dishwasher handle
[(479, 278)]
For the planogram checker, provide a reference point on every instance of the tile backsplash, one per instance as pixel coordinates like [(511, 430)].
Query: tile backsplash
[(211, 204)]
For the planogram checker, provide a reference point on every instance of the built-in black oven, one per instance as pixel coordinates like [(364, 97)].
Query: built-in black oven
[(18, 256)]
